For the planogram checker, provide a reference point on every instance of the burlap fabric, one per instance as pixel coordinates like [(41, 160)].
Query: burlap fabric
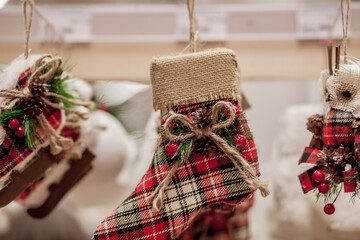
[(334, 88), (193, 78)]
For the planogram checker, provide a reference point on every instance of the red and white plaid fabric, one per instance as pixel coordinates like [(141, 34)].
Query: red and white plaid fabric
[(338, 128), (221, 223), (16, 156), (198, 184)]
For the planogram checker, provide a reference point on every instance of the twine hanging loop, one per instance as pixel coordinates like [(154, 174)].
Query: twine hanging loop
[(345, 25)]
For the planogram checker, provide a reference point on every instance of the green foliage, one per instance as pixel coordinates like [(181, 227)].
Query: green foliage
[(58, 86), (30, 132), (331, 195), (184, 150), (5, 116)]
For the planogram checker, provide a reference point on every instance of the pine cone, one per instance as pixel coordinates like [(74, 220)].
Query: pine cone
[(315, 123), (34, 105), (333, 162), (204, 147), (37, 88), (202, 117)]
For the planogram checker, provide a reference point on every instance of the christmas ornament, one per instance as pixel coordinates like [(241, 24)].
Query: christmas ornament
[(32, 115), (170, 194), (334, 149)]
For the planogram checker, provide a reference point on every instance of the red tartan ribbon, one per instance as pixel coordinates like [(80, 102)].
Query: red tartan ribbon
[(349, 181), (311, 156)]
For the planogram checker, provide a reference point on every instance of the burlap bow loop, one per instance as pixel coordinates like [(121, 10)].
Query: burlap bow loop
[(42, 71), (242, 165)]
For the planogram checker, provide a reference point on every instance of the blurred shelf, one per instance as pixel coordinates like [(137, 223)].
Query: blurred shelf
[(159, 23), (123, 38)]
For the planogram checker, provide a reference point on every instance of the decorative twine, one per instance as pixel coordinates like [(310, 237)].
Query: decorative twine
[(242, 165), (345, 26), (28, 21), (192, 37), (13, 97), (333, 25), (49, 25)]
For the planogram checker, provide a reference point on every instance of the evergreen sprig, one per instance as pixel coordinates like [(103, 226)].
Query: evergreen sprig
[(57, 85), (5, 116), (184, 150), (331, 195)]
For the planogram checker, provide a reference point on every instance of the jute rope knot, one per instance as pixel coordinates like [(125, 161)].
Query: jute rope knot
[(13, 97), (242, 165)]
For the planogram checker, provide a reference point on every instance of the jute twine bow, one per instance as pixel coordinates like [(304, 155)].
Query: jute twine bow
[(13, 97), (242, 165)]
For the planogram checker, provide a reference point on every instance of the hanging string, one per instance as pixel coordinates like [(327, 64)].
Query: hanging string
[(345, 26), (28, 21), (49, 25), (333, 25), (192, 37)]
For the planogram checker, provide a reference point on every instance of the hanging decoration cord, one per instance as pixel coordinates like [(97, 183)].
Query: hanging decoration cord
[(333, 25), (192, 37), (28, 21), (345, 25), (49, 25)]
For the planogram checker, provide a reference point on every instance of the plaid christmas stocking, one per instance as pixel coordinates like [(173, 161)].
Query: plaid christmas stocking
[(33, 106), (205, 156)]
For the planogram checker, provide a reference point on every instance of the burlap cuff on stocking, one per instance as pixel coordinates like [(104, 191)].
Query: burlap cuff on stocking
[(194, 77)]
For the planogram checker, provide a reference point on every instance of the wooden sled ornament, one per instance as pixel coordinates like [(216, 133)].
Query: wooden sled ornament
[(21, 180), (79, 169)]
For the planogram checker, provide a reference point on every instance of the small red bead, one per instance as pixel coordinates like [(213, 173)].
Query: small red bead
[(171, 148), (329, 209), (102, 107), (13, 123), (318, 176), (240, 141), (323, 188), (20, 132)]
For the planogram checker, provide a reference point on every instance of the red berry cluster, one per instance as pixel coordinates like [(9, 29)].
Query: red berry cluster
[(14, 124), (318, 176)]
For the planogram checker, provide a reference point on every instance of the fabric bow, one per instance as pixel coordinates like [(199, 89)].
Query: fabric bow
[(13, 97), (243, 166)]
